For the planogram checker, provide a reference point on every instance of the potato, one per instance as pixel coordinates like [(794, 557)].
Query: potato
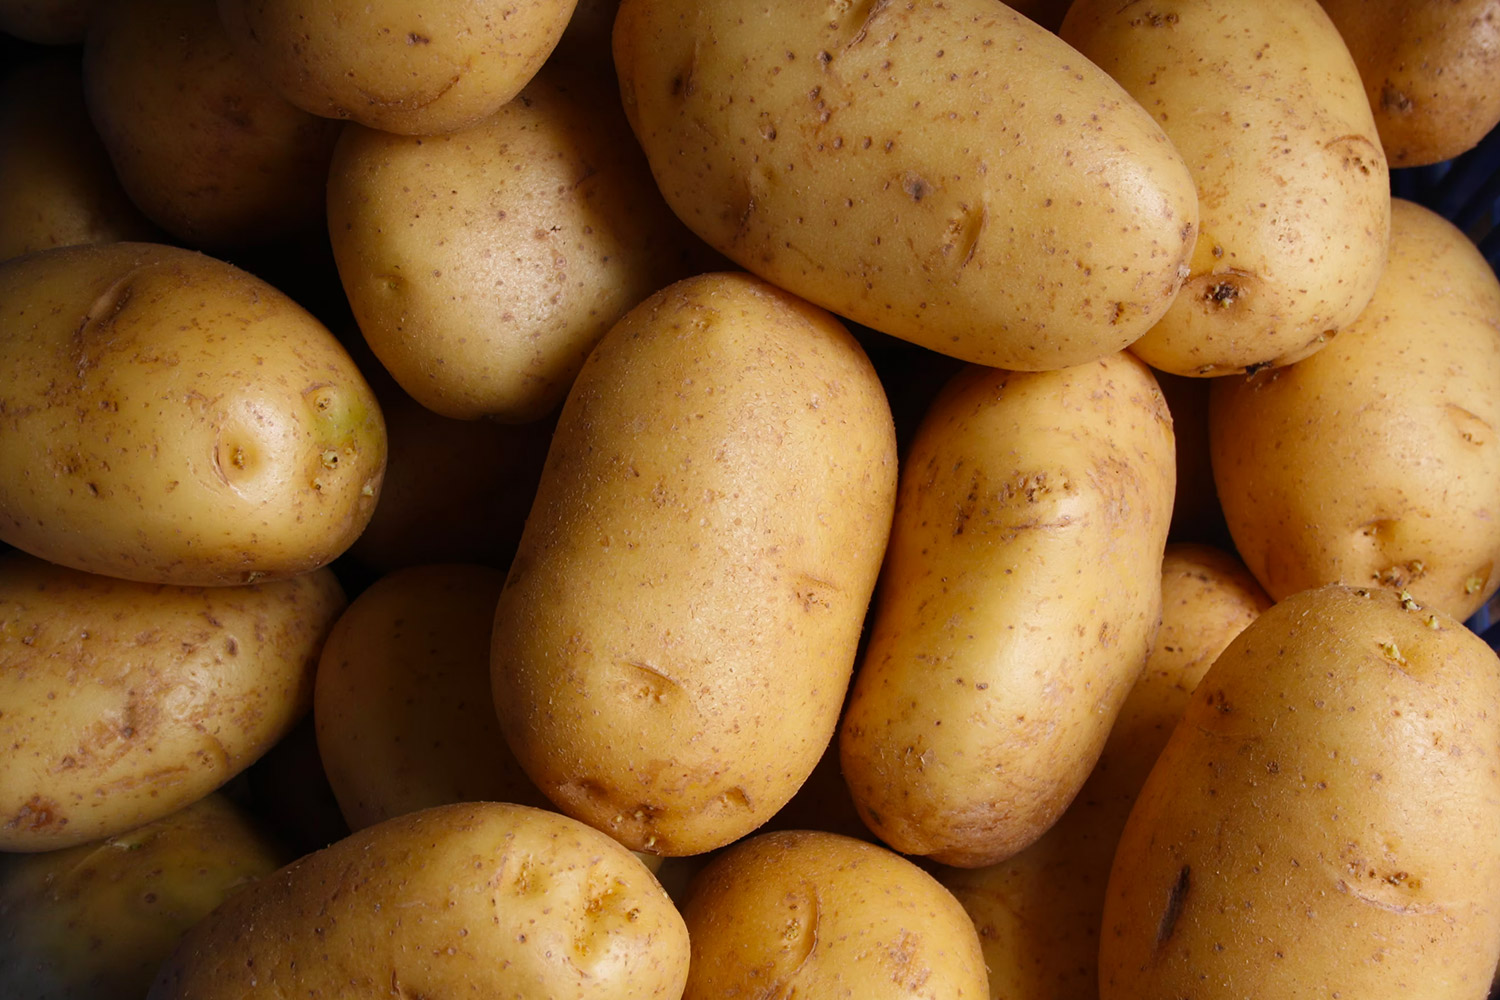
[(1017, 605), (816, 915), (94, 922), (483, 265), (677, 631), (1265, 104), (1431, 72), (473, 899), (1324, 819), (169, 418), (1375, 461), (953, 174), (414, 68), (124, 701)]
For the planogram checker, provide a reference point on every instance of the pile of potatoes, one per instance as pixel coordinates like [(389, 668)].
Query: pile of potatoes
[(651, 498)]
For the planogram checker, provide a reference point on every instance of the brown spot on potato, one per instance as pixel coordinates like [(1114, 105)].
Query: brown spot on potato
[(1173, 910), (37, 815), (915, 185)]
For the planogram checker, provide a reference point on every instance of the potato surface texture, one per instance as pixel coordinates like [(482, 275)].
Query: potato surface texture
[(1324, 819), (169, 418), (123, 702), (677, 631), (474, 899), (1265, 104), (1017, 605), (951, 174), (1375, 461)]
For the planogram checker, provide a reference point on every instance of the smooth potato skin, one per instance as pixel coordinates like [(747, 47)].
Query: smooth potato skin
[(676, 634), (1324, 819), (125, 701), (471, 899), (169, 418), (1411, 393), (1017, 605), (951, 174)]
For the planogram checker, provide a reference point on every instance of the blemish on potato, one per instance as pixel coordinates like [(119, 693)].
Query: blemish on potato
[(1176, 896)]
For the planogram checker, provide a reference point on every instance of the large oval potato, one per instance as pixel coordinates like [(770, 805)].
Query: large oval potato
[(121, 702), (169, 418), (1017, 605), (676, 634), (1324, 820), (951, 174)]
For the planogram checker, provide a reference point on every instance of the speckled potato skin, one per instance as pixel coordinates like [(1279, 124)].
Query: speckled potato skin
[(950, 174), (676, 634), (413, 67), (166, 417), (1375, 462), (1017, 605), (471, 899), (1265, 104), (124, 702), (822, 916), (94, 922), (1431, 72), (483, 265), (1324, 819)]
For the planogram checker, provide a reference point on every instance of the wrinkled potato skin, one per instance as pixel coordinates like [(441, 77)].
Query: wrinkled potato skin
[(1431, 72), (677, 631), (472, 899), (1017, 605), (127, 701), (1324, 819), (822, 916), (950, 174), (171, 419), (1411, 394), (94, 922), (1265, 104)]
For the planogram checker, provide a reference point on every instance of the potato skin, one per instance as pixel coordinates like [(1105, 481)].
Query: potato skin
[(169, 418), (676, 634), (1017, 605), (1324, 819), (127, 701), (1411, 393), (951, 174), (471, 899)]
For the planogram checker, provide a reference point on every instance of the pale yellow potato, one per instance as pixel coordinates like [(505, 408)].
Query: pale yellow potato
[(820, 916), (483, 265), (951, 174), (677, 631), (94, 922), (414, 67), (1376, 461), (473, 899), (173, 419), (124, 702), (1038, 913), (1017, 605), (1325, 819), (1431, 72), (1265, 104)]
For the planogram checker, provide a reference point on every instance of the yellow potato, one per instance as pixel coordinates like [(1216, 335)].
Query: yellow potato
[(951, 174), (482, 900), (172, 419), (1325, 819), (1375, 461), (124, 702), (676, 634), (1017, 606)]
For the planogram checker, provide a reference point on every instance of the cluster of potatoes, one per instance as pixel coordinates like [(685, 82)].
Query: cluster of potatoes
[(691, 500)]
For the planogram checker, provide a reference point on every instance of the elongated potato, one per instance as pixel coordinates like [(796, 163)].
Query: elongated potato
[(951, 174), (1017, 606), (1324, 820), (676, 634)]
